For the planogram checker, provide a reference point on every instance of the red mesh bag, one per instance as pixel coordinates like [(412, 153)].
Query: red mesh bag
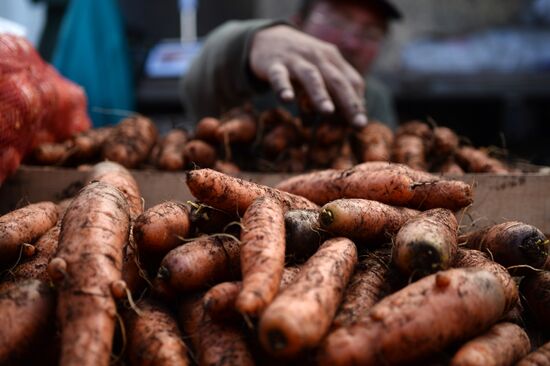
[(36, 103)]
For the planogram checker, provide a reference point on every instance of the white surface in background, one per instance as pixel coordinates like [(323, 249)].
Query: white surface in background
[(27, 14)]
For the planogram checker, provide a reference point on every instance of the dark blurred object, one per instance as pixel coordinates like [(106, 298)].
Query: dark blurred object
[(55, 9)]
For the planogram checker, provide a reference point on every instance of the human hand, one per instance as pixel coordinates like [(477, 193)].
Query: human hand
[(281, 53)]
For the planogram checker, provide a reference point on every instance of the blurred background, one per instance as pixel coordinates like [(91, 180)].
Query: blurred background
[(479, 67)]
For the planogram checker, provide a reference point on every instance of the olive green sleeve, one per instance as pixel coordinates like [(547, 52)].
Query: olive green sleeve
[(220, 77)]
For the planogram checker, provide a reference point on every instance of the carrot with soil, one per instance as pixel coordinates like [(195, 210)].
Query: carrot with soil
[(365, 289), (206, 129), (503, 344), (170, 156), (422, 318), (240, 129), (363, 219), (200, 154), (131, 141), (301, 315), (303, 234), (262, 255), (162, 227), (374, 142), (153, 337), (215, 342), (477, 161), (26, 308), (88, 263), (234, 195), (539, 357), (510, 243), (467, 258), (22, 226), (200, 263), (426, 243), (535, 289)]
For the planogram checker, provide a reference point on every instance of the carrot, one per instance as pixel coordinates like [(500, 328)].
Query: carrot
[(329, 133), (154, 337), (422, 318), (429, 191), (416, 128), (22, 226), (119, 177), (503, 344), (426, 243), (409, 150), (300, 316), (202, 262), (226, 167), (26, 307), (328, 185), (539, 357), (130, 142), (321, 156), (445, 142), (215, 342), (364, 290), (161, 228), (466, 258), (98, 218), (219, 301), (279, 139), (239, 129), (346, 159), (262, 254), (198, 153), (206, 129), (477, 161), (88, 144), (510, 243), (170, 156), (535, 289), (235, 195), (363, 219), (36, 266), (374, 142), (450, 167), (303, 233), (52, 153)]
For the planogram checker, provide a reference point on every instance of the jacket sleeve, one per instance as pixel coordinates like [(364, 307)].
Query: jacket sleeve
[(220, 77)]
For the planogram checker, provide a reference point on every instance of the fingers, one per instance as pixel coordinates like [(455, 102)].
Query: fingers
[(279, 78), (349, 72), (309, 76)]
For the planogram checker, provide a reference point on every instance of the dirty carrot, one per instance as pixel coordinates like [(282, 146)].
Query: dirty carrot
[(36, 266), (301, 315), (88, 262), (535, 289), (426, 243), (235, 195), (170, 156)]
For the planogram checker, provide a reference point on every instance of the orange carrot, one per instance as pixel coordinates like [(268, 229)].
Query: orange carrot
[(98, 217), (466, 258), (510, 243), (23, 226), (27, 308), (375, 141), (502, 344), (215, 342), (262, 254), (539, 357), (235, 195), (238, 129), (202, 262), (88, 144), (445, 142), (477, 161), (170, 156), (363, 219), (130, 142), (199, 154), (154, 337), (345, 160), (422, 318), (300, 315), (365, 289), (162, 227), (206, 129), (409, 150), (426, 243), (36, 266), (226, 167)]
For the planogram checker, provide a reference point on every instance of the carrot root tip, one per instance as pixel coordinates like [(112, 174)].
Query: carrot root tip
[(118, 289), (28, 249), (57, 269)]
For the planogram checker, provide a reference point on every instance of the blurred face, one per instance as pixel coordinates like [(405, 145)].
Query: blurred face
[(356, 31)]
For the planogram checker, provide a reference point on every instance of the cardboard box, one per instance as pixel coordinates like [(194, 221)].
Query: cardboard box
[(497, 198)]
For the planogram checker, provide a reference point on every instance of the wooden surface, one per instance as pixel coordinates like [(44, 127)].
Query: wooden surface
[(497, 198)]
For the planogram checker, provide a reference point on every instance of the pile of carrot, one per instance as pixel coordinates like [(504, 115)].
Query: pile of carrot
[(338, 267), (271, 141)]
